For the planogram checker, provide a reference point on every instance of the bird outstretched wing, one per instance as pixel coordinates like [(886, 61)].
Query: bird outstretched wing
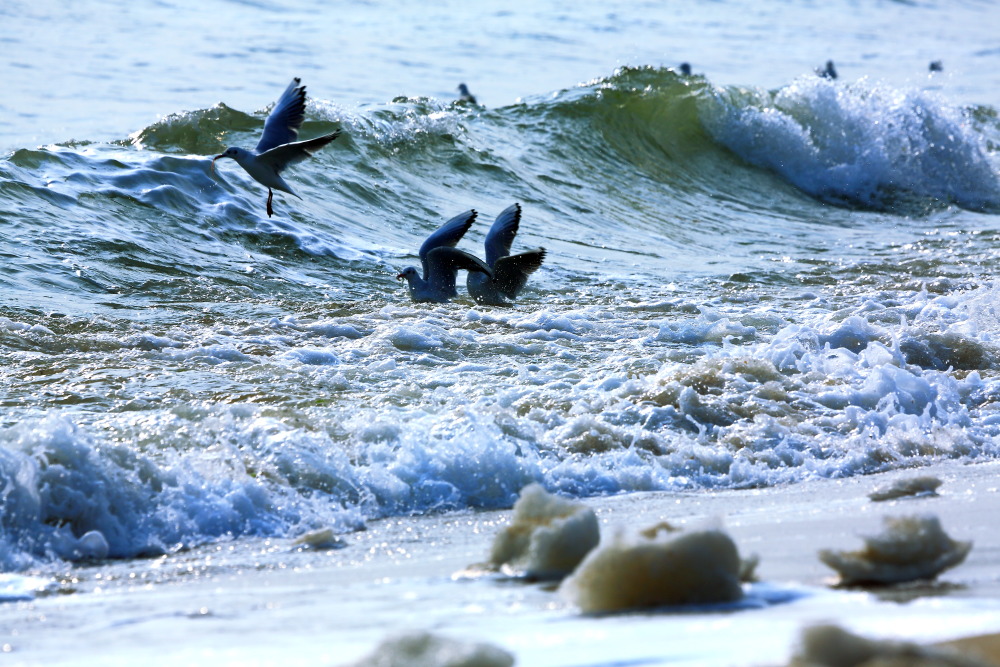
[(283, 123), (447, 235), (501, 235), (510, 274), (281, 156), (443, 264)]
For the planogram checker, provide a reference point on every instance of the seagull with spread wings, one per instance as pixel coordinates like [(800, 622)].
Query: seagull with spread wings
[(278, 148), (441, 261), (510, 272)]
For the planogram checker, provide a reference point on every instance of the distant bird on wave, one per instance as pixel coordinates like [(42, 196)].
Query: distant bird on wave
[(828, 72), (277, 148), (465, 95), (441, 261)]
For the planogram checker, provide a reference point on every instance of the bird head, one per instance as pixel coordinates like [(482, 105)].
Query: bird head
[(232, 152), (408, 274)]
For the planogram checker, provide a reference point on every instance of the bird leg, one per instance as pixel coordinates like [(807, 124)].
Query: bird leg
[(270, 196)]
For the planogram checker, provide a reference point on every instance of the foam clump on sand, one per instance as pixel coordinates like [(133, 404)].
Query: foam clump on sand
[(321, 539), (831, 646), (548, 535), (657, 569), (423, 649), (925, 485), (910, 548)]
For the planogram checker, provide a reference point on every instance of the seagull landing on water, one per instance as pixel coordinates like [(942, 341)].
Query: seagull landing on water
[(510, 272), (441, 262), (277, 147)]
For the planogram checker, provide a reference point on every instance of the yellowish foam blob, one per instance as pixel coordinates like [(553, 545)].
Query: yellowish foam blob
[(423, 649), (832, 646), (324, 538), (662, 569), (925, 485), (548, 535), (910, 548)]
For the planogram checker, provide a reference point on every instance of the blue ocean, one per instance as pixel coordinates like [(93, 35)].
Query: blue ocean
[(755, 275)]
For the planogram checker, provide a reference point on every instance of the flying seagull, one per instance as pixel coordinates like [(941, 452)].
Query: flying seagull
[(510, 272), (441, 262), (278, 147)]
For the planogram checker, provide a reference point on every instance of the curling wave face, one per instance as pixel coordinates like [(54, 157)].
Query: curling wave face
[(864, 144)]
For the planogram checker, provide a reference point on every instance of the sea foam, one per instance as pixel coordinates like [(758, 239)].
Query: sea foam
[(657, 569), (910, 548), (70, 495), (378, 428), (424, 649), (548, 536), (865, 143)]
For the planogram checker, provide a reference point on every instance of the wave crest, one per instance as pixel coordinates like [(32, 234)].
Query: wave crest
[(864, 144)]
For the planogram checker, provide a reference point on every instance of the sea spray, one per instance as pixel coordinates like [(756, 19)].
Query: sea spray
[(860, 144)]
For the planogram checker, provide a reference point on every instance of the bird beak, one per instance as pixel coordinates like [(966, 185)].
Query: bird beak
[(399, 276), (213, 161)]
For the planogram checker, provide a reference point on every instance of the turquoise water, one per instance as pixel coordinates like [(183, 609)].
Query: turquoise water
[(754, 275)]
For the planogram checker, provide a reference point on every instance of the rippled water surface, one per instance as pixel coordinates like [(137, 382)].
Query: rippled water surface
[(754, 275)]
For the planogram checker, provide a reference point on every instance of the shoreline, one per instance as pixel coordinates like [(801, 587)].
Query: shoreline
[(269, 601)]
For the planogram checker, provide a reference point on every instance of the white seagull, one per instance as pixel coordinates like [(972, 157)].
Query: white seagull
[(441, 262), (277, 147), (510, 272)]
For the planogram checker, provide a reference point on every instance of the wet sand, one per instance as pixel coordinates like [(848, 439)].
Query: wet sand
[(272, 602)]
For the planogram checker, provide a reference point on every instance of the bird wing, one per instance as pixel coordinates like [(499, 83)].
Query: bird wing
[(501, 235), (283, 123), (447, 235), (510, 274), (444, 263), (281, 156)]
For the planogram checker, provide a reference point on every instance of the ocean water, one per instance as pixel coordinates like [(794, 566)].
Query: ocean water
[(755, 276)]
